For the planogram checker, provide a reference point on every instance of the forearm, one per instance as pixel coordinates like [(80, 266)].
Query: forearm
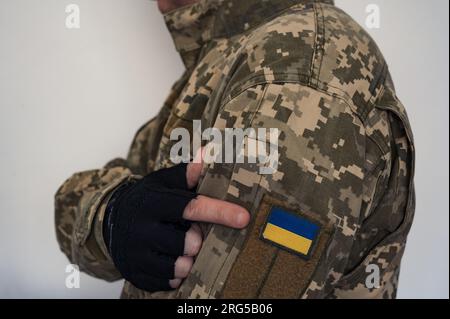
[(80, 204)]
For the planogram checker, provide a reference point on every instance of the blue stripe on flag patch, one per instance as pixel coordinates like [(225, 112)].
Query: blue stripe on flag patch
[(292, 223)]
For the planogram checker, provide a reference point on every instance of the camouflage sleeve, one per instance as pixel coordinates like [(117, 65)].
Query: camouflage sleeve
[(81, 201), (80, 204), (373, 268), (79, 208), (330, 174)]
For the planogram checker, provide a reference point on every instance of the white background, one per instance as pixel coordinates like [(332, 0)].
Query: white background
[(70, 100)]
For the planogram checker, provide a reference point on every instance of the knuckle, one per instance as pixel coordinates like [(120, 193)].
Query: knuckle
[(201, 204)]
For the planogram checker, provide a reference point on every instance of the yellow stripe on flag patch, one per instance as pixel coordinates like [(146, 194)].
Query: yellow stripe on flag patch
[(287, 239)]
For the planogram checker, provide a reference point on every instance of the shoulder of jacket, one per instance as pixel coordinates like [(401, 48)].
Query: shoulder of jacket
[(316, 45)]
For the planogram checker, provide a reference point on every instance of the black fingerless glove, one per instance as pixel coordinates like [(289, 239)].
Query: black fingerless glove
[(144, 229)]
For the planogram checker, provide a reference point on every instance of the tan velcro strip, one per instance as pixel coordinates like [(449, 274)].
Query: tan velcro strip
[(265, 271), (290, 274)]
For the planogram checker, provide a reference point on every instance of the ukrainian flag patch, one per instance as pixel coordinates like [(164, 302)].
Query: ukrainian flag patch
[(290, 231)]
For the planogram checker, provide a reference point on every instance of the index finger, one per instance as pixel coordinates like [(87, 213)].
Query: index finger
[(215, 211)]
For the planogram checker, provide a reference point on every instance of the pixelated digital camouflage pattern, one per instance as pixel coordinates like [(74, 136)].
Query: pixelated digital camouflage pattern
[(346, 147)]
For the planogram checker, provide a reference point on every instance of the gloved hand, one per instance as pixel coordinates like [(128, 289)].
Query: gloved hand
[(148, 229)]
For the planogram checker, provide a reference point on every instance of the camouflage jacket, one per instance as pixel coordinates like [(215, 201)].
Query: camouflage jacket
[(346, 154)]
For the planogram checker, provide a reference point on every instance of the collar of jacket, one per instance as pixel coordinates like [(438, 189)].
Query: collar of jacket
[(194, 25)]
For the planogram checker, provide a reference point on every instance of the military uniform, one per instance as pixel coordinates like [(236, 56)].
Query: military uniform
[(346, 153)]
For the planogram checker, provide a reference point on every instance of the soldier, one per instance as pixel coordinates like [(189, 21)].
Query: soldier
[(331, 222)]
